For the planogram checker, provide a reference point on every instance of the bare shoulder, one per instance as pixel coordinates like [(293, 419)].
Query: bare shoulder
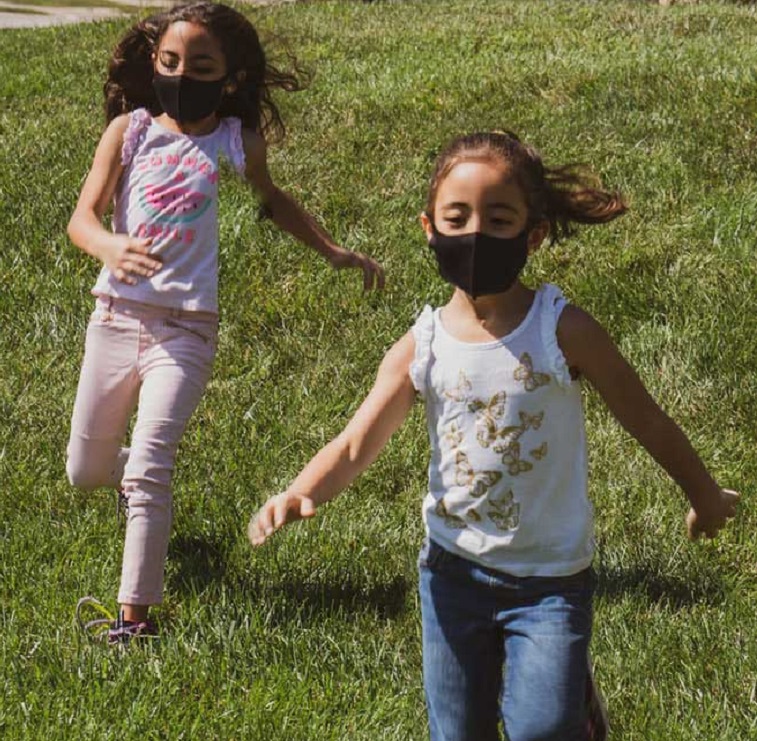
[(401, 353), (395, 367), (117, 127), (581, 337), (575, 324), (254, 144), (256, 167)]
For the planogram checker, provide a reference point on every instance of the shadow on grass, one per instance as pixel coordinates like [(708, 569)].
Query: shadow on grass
[(648, 583), (199, 563), (290, 598)]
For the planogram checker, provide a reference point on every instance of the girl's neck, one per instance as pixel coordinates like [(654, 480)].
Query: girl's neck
[(195, 128), (487, 317)]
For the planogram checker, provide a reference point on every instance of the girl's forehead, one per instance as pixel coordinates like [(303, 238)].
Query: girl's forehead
[(190, 37), (479, 176)]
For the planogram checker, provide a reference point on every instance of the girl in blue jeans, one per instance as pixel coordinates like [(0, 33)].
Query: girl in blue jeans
[(505, 573)]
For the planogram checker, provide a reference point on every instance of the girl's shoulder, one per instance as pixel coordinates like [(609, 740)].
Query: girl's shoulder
[(418, 343), (133, 125)]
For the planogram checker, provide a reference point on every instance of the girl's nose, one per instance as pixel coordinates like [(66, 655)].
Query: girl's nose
[(474, 223)]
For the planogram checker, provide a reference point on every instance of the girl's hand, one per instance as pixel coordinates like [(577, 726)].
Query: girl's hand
[(708, 521), (127, 257), (373, 273), (278, 511)]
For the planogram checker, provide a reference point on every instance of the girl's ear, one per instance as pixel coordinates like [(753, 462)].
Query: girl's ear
[(426, 224), (234, 81), (537, 235)]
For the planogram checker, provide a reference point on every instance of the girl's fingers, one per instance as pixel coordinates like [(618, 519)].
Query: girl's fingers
[(373, 274), (124, 277), (254, 534), (264, 521), (274, 514), (140, 245), (281, 508), (307, 508)]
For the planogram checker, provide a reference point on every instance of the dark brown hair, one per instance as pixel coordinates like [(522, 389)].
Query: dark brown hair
[(130, 72), (561, 196)]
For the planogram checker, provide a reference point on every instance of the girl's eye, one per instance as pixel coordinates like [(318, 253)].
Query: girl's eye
[(454, 221)]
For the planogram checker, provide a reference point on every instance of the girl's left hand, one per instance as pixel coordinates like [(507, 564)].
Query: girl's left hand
[(708, 522), (373, 273)]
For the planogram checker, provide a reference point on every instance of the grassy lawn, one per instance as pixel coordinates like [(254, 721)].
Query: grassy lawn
[(28, 6), (316, 637)]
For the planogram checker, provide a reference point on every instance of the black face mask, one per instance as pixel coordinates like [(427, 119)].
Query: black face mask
[(479, 263), (185, 99)]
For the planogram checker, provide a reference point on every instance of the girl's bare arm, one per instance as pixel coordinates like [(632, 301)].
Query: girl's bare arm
[(589, 349), (340, 462), (289, 215), (125, 256)]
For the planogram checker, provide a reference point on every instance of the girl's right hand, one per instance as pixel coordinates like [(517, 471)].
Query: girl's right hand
[(127, 257), (278, 511), (708, 520)]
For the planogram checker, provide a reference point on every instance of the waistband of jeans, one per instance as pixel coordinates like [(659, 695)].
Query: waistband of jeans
[(152, 311)]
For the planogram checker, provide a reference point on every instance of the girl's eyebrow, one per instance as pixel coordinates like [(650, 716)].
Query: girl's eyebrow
[(490, 206), (504, 206), (199, 57)]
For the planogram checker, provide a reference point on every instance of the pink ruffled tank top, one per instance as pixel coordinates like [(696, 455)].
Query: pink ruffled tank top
[(169, 192)]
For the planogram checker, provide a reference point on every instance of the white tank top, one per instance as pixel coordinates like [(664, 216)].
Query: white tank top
[(508, 470), (169, 191)]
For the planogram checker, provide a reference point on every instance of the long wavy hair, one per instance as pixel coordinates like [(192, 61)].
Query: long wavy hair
[(130, 71), (562, 196)]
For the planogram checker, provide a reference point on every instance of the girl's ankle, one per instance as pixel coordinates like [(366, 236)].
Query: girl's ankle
[(135, 613)]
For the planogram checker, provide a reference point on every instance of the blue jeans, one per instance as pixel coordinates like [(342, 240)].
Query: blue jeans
[(499, 647)]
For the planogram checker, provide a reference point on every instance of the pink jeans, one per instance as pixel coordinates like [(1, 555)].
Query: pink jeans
[(159, 360)]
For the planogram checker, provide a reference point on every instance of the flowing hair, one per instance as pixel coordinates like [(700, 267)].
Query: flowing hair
[(130, 71), (562, 196)]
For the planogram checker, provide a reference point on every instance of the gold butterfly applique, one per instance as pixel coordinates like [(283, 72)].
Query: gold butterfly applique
[(539, 452), (487, 415), (532, 421), (525, 372), (510, 453), (450, 520), (465, 475), (453, 436), (505, 512), (463, 388)]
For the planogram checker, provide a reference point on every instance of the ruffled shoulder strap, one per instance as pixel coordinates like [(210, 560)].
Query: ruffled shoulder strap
[(234, 147), (423, 332), (552, 304), (139, 120)]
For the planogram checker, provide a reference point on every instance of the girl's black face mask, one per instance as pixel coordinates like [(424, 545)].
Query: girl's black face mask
[(478, 263), (185, 99)]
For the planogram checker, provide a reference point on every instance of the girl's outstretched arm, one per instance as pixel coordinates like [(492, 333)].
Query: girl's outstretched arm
[(340, 462), (287, 213), (124, 256), (589, 349)]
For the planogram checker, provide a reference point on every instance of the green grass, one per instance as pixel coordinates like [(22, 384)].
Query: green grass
[(27, 6), (316, 637)]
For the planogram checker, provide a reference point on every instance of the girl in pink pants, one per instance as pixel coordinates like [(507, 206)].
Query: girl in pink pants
[(185, 88)]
